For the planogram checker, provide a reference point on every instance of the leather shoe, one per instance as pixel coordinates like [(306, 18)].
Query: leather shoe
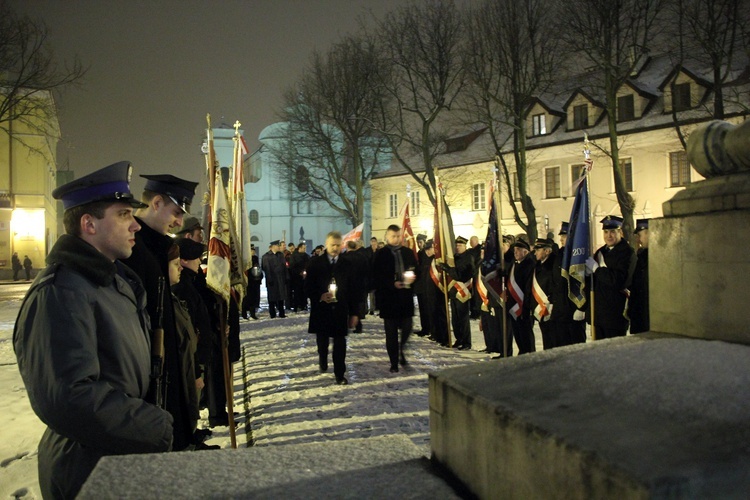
[(204, 446), (342, 381), (394, 369), (464, 348)]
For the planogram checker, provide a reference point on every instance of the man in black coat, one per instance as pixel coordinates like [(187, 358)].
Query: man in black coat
[(567, 319), (297, 263), (475, 250), (360, 264), (393, 271), (612, 266), (460, 294), (542, 290), (638, 304), (274, 271), (518, 293), (167, 199), (333, 288)]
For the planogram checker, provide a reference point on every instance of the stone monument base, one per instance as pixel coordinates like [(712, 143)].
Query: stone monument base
[(646, 416)]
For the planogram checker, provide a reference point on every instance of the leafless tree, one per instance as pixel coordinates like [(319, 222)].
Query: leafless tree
[(711, 34), (611, 37), (327, 149), (511, 59), (423, 43), (29, 75)]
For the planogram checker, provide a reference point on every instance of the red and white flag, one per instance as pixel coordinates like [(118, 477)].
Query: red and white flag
[(406, 231), (354, 234), (219, 243)]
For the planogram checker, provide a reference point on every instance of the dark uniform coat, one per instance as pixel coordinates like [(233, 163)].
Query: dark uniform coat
[(83, 350), (393, 302), (150, 261), (638, 304), (611, 283), (274, 269), (331, 318)]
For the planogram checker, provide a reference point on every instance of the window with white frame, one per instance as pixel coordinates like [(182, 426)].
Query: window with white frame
[(478, 198), (576, 170), (551, 182), (538, 124), (414, 203), (679, 169), (392, 205)]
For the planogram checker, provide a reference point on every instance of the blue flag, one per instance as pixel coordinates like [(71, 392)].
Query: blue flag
[(492, 252), (578, 247)]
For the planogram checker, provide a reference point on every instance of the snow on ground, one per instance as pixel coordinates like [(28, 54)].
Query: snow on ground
[(278, 389)]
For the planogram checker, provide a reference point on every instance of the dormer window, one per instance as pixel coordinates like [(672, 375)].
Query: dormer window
[(580, 116), (625, 108), (681, 96), (539, 124)]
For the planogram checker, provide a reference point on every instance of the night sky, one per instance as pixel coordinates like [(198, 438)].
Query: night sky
[(157, 67)]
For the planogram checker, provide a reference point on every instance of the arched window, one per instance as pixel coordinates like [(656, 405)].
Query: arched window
[(254, 217)]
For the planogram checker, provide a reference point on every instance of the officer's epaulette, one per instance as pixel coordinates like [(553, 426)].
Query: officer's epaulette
[(47, 277)]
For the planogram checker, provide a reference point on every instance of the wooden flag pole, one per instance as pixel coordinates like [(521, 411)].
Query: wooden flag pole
[(587, 154), (228, 377)]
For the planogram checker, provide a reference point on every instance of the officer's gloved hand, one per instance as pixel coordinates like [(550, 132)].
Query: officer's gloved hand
[(591, 265), (579, 315)]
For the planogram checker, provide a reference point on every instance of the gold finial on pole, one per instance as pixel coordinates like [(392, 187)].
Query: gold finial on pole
[(237, 126)]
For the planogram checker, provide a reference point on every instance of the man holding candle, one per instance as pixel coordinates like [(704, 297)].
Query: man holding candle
[(393, 270), (333, 288)]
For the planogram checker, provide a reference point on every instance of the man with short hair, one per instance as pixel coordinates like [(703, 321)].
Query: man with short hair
[(370, 253), (612, 267), (81, 339), (395, 297), (333, 288), (166, 200), (297, 264)]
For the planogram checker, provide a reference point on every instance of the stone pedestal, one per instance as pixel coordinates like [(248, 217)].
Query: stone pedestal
[(699, 261)]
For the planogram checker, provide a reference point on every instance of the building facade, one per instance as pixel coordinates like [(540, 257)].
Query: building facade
[(28, 174), (651, 154)]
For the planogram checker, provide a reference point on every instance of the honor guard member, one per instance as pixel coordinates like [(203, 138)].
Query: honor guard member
[(82, 342), (638, 304), (542, 290), (518, 290), (567, 320), (167, 198), (612, 267), (460, 294)]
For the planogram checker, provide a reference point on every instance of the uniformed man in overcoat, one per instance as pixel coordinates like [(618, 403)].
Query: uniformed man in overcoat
[(167, 198), (460, 294), (82, 341), (567, 319), (612, 267), (638, 303), (518, 294), (333, 289), (542, 291)]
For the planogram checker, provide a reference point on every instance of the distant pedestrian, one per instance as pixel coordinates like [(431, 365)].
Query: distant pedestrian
[(16, 264), (27, 266), (394, 270), (333, 289), (274, 269)]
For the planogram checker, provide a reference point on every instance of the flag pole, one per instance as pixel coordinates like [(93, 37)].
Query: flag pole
[(589, 163), (497, 200), (440, 202)]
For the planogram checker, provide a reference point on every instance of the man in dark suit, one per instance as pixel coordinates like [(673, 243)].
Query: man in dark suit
[(394, 270), (333, 289)]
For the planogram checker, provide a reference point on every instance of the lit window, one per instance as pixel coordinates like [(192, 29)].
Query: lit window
[(539, 124), (478, 199), (414, 203), (392, 205)]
